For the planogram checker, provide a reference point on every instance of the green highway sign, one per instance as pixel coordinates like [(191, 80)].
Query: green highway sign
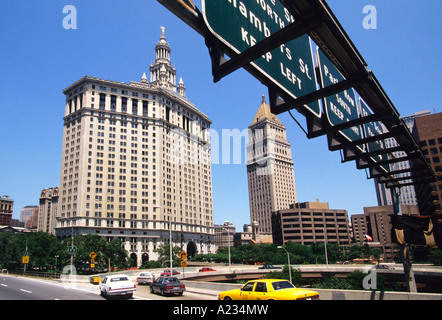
[(72, 250), (340, 107), (242, 24), (372, 129)]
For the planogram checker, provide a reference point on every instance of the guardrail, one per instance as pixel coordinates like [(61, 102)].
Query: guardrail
[(213, 288), (36, 274)]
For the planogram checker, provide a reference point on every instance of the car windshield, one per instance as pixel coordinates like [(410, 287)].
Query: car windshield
[(119, 279), (279, 285)]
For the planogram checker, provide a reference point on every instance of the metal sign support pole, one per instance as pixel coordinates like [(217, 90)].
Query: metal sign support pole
[(404, 248)]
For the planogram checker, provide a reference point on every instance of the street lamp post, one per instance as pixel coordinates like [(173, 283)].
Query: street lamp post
[(170, 243), (228, 239), (288, 258), (26, 248)]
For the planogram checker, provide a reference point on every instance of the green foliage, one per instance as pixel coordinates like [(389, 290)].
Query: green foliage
[(46, 252), (435, 257), (106, 252), (163, 251), (42, 248), (284, 274)]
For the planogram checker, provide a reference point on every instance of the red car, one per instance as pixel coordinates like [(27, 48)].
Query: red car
[(205, 269), (167, 272)]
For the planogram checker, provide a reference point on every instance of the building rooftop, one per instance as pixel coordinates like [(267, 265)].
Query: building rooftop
[(264, 112)]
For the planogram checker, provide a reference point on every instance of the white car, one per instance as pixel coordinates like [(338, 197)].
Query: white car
[(117, 284), (145, 278)]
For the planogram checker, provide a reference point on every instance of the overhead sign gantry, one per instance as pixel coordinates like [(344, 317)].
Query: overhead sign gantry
[(272, 40)]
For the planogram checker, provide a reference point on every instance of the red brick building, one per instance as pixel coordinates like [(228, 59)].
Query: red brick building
[(6, 206)]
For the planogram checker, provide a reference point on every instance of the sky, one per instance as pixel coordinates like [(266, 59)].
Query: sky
[(115, 40)]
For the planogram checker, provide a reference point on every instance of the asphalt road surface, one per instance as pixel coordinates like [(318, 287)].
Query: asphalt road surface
[(22, 288)]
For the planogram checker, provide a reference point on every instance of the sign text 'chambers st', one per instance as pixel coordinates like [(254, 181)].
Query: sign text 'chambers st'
[(242, 24)]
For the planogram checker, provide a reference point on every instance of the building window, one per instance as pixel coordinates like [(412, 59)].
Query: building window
[(102, 101)]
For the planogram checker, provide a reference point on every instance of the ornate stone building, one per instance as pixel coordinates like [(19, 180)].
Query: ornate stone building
[(270, 170), (47, 211), (136, 162)]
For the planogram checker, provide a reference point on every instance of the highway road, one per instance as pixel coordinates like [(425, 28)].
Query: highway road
[(21, 288)]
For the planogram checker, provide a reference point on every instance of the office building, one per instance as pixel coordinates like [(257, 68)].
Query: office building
[(311, 222), (47, 211), (375, 222), (428, 131), (29, 216), (224, 234), (407, 195), (270, 171), (136, 163)]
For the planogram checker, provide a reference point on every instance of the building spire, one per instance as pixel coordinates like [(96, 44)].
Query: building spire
[(264, 112), (162, 73), (182, 88)]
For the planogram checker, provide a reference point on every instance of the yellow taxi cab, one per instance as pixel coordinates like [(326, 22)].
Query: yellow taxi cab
[(269, 289)]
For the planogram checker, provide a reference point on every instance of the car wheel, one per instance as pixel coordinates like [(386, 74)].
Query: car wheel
[(227, 298)]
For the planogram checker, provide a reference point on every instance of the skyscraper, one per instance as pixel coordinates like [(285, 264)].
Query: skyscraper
[(428, 130), (407, 195), (270, 169), (136, 162), (48, 208)]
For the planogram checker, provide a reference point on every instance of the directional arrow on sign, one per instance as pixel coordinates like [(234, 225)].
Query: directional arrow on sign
[(183, 255)]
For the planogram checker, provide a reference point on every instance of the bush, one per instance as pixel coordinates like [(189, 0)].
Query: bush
[(435, 257)]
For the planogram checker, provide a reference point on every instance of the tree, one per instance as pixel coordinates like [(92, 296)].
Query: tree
[(115, 251), (163, 251), (435, 257), (7, 250), (284, 274), (103, 249), (42, 248)]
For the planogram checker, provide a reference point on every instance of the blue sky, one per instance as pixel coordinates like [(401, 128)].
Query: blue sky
[(115, 40)]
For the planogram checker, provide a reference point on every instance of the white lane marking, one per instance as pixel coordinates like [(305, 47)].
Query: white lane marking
[(4, 285), (27, 291)]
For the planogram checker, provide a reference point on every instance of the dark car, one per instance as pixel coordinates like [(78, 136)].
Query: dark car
[(166, 285), (269, 266)]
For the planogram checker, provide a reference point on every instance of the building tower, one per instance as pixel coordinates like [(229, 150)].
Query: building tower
[(162, 73), (120, 174), (270, 169), (48, 208)]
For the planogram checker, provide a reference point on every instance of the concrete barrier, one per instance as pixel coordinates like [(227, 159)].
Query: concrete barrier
[(213, 288)]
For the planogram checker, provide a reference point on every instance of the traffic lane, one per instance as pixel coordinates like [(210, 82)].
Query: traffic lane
[(19, 288), (143, 291), (10, 291)]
